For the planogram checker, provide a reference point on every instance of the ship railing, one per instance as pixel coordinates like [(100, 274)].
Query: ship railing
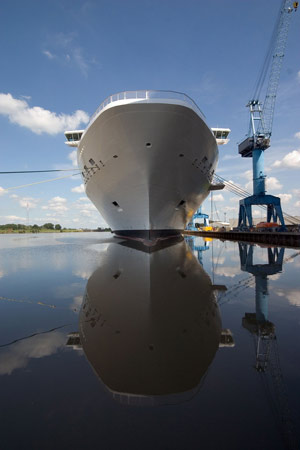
[(148, 95)]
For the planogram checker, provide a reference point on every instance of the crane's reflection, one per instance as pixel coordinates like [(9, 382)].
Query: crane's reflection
[(150, 324)]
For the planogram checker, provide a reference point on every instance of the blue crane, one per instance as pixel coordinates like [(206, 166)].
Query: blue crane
[(261, 122)]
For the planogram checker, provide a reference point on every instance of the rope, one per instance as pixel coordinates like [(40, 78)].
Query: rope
[(40, 182)]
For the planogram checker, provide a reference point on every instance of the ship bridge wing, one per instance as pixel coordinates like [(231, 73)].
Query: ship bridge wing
[(221, 135), (73, 137)]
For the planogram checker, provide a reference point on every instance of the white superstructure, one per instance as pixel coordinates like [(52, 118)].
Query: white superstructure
[(147, 159)]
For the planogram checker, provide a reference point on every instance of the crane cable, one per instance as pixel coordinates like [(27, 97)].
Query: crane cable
[(243, 193), (266, 64)]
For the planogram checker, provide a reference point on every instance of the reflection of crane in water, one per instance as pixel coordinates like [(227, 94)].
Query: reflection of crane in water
[(197, 246), (267, 361)]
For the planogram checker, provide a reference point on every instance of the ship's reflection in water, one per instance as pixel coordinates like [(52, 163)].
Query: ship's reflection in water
[(150, 325)]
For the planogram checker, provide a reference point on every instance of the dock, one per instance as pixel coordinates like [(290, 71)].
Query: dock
[(289, 239)]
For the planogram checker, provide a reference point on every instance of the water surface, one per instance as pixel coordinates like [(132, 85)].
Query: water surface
[(104, 345)]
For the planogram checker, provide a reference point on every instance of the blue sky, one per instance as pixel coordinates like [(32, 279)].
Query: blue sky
[(61, 59)]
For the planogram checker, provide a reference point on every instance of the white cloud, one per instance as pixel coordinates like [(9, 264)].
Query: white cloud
[(292, 295), (2, 191), (285, 198), (28, 202), (15, 218), (298, 76), (19, 355), (57, 204), (272, 184), (218, 198), (297, 203), (59, 199), (78, 189), (291, 160), (37, 119), (73, 157), (48, 54), (68, 52), (249, 186), (227, 271), (297, 135)]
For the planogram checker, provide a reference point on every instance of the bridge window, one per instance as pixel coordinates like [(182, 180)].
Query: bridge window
[(73, 137)]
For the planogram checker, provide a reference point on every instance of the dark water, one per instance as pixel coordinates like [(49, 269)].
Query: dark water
[(195, 345)]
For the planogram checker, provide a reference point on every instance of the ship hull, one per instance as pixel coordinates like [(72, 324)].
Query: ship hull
[(147, 167)]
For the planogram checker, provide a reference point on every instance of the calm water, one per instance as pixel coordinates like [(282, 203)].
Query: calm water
[(106, 346)]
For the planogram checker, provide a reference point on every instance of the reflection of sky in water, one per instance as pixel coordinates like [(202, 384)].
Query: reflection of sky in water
[(18, 355), (52, 389)]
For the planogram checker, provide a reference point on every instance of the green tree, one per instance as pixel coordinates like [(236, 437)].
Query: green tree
[(48, 226), (57, 226)]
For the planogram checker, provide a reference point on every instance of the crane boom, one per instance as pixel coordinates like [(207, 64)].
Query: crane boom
[(278, 53)]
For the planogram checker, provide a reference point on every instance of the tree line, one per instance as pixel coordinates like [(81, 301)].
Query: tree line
[(21, 226)]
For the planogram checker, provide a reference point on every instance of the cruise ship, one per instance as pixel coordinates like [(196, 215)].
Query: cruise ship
[(147, 159)]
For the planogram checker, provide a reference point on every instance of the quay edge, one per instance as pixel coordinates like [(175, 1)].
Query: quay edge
[(270, 238)]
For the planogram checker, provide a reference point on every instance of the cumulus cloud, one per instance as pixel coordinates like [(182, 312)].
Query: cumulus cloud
[(57, 204), (218, 198), (292, 295), (27, 202), (285, 198), (37, 119), (272, 184), (227, 271), (78, 189), (15, 218), (291, 160), (2, 191), (19, 354), (297, 135)]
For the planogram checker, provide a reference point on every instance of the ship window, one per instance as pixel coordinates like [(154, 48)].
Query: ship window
[(204, 159), (148, 144), (115, 156), (92, 161), (117, 274), (219, 135), (181, 155), (116, 204), (181, 203)]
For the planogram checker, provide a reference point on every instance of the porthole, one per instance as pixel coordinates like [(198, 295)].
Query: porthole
[(181, 155), (148, 144), (115, 156)]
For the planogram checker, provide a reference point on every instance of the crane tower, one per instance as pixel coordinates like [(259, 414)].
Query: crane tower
[(261, 122)]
